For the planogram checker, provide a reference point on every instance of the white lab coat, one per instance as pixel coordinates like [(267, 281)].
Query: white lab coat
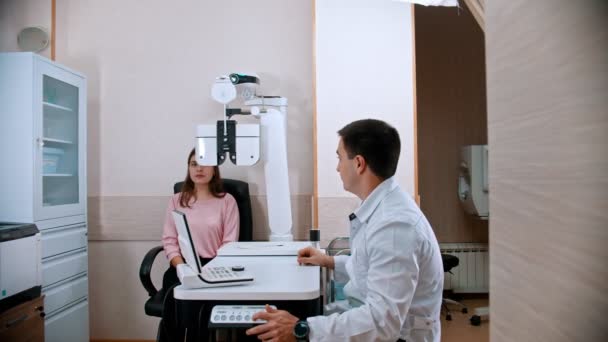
[(394, 270)]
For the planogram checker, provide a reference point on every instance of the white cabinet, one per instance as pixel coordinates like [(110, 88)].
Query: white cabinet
[(69, 325), (43, 178), (43, 139)]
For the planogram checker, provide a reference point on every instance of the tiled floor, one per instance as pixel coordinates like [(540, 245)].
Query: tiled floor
[(460, 329)]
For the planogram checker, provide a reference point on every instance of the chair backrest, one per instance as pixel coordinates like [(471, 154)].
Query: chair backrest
[(240, 191), (449, 262)]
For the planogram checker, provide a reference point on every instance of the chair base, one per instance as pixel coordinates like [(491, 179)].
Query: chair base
[(446, 308), (482, 313)]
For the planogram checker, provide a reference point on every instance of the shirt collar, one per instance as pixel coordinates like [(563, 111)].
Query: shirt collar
[(372, 201)]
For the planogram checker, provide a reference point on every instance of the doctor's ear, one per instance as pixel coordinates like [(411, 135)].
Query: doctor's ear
[(360, 161)]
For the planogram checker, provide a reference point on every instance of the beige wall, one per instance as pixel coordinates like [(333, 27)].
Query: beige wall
[(16, 15), (150, 68), (116, 297), (547, 72), (451, 109), (149, 72), (140, 218)]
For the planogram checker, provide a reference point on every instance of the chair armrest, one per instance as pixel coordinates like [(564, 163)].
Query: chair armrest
[(146, 268)]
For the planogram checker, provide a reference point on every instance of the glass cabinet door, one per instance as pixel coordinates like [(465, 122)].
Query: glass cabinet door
[(61, 142)]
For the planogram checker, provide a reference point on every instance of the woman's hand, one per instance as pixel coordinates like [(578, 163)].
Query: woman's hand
[(177, 260), (181, 270), (313, 256)]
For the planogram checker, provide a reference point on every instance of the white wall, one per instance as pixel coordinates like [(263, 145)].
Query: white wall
[(363, 70), (16, 15)]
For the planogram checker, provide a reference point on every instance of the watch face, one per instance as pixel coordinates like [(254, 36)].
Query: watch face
[(301, 330)]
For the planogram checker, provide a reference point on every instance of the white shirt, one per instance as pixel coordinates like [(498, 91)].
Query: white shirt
[(395, 271)]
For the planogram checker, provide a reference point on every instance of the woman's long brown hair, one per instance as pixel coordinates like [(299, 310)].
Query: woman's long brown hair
[(216, 186)]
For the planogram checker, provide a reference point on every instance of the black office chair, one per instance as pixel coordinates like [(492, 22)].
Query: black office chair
[(161, 302), (449, 262)]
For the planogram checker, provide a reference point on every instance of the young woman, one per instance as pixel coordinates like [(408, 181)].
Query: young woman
[(213, 216)]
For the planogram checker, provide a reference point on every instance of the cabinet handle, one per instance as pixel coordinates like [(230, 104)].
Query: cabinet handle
[(16, 321), (40, 142)]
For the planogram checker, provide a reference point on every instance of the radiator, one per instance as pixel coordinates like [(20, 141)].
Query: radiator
[(472, 273)]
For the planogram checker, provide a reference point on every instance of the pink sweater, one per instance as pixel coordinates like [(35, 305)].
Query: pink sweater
[(213, 223)]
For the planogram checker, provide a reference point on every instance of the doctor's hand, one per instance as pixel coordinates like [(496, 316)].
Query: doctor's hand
[(278, 327), (313, 256)]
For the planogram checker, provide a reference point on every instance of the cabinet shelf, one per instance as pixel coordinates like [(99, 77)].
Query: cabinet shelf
[(52, 105), (57, 175), (58, 141)]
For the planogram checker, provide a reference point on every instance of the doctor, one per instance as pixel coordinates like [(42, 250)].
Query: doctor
[(395, 272)]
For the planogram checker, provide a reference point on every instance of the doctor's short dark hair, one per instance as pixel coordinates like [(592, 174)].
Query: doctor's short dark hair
[(376, 141)]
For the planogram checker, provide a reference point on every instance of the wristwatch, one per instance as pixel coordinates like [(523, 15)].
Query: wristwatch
[(300, 331)]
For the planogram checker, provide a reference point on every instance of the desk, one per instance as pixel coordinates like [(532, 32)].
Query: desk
[(278, 280)]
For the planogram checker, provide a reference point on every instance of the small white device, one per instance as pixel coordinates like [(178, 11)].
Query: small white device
[(20, 258), (244, 150), (193, 275), (473, 184), (235, 316), (221, 274)]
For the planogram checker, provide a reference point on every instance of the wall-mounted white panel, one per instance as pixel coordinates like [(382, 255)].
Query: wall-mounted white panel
[(364, 69)]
